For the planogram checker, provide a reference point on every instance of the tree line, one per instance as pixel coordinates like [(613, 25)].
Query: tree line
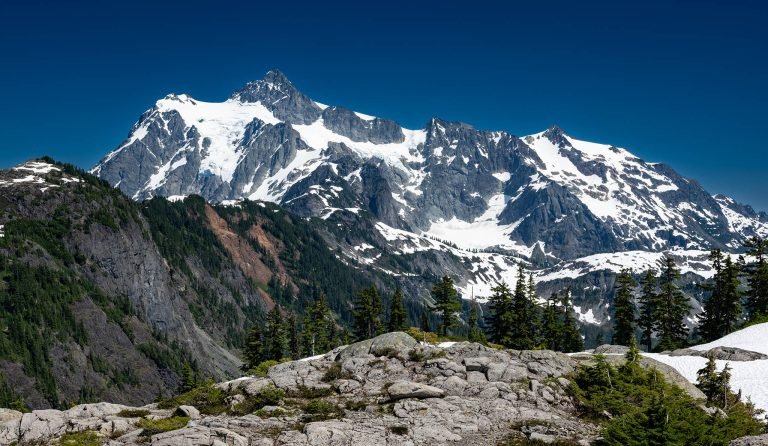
[(517, 319), (662, 309)]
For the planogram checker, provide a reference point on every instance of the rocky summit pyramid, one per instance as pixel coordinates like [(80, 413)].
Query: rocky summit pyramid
[(444, 198)]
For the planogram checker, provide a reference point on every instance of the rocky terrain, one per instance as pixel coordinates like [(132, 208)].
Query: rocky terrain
[(390, 390)]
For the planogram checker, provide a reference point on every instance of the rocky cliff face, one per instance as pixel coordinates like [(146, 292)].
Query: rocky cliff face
[(445, 198), (103, 298)]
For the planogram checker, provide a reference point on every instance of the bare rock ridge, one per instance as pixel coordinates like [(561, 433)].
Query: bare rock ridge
[(383, 391)]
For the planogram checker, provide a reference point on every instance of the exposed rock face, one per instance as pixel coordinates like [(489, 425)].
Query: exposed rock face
[(418, 395), (379, 346), (722, 353), (760, 440)]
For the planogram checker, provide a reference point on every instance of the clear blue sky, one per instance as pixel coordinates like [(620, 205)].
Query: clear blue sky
[(681, 82)]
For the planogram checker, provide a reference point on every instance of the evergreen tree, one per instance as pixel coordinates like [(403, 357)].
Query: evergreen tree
[(294, 340), (551, 327), (672, 307), (398, 318), (500, 316), (474, 333), (757, 277), (367, 314), (188, 378), (424, 320), (275, 336), (521, 338), (319, 327), (722, 309), (624, 319), (571, 337), (447, 304), (253, 352), (708, 380), (648, 308), (534, 313)]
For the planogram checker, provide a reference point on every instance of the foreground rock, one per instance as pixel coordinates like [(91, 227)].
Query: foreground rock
[(760, 440), (386, 391)]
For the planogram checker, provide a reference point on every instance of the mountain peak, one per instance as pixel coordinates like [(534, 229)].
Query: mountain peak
[(274, 81), (555, 134), (277, 77)]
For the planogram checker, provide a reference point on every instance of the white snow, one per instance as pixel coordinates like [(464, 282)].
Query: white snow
[(753, 338), (502, 176), (365, 117), (694, 261), (37, 167), (749, 377)]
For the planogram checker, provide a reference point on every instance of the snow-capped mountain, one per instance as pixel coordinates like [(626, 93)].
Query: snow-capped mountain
[(482, 198)]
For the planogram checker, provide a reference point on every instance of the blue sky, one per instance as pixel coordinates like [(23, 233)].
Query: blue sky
[(680, 82)]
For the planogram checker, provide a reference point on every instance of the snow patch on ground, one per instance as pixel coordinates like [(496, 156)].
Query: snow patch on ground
[(749, 377)]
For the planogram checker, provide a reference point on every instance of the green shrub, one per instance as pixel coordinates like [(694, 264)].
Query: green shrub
[(270, 414), (133, 413), (86, 438), (154, 427), (207, 398), (399, 430), (638, 407), (268, 396), (356, 406), (519, 439), (308, 393), (320, 409), (262, 369), (335, 372)]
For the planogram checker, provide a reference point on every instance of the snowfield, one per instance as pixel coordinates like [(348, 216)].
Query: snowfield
[(749, 377)]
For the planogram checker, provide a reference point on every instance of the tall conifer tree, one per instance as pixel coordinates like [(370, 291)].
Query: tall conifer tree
[(500, 318), (398, 318), (447, 304), (648, 308), (367, 314), (551, 326), (757, 277), (571, 336), (624, 319), (672, 307)]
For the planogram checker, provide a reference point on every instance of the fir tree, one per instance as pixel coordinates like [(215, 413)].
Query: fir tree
[(757, 277), (294, 340), (398, 318), (534, 312), (474, 333), (672, 307), (188, 378), (571, 337), (500, 316), (253, 352), (722, 309), (367, 314), (624, 319), (447, 304), (319, 327), (648, 308), (708, 380), (275, 336), (424, 320), (551, 327)]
